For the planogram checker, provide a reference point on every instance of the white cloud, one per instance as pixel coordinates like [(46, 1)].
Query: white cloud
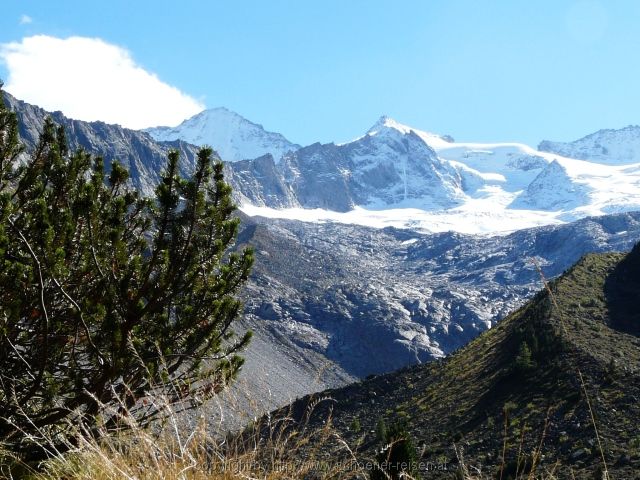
[(25, 19), (90, 79)]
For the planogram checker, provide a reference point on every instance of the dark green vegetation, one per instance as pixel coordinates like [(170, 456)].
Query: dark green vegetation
[(396, 453), (516, 388), (107, 297)]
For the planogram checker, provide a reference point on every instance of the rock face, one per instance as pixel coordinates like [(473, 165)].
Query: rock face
[(552, 190), (384, 168), (259, 182), (346, 291)]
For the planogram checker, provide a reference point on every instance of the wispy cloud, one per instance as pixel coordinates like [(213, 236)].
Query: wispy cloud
[(25, 19), (90, 79)]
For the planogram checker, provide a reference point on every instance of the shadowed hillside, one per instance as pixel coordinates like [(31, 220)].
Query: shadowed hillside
[(517, 386)]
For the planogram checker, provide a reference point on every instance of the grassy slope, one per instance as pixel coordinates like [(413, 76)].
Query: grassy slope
[(463, 398)]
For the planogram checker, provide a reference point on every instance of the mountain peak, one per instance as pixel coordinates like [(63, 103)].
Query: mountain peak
[(608, 146), (386, 122), (229, 133), (215, 114), (220, 111)]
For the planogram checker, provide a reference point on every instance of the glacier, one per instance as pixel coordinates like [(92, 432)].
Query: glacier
[(409, 178)]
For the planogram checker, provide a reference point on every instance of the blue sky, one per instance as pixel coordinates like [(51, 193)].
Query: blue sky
[(326, 70)]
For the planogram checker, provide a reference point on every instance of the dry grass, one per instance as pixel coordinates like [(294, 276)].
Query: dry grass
[(188, 448), (273, 448), (185, 449)]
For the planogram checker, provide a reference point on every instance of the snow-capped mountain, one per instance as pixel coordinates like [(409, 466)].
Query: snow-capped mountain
[(397, 175), (552, 189), (577, 188), (231, 135), (610, 147), (465, 187), (382, 169), (392, 175)]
